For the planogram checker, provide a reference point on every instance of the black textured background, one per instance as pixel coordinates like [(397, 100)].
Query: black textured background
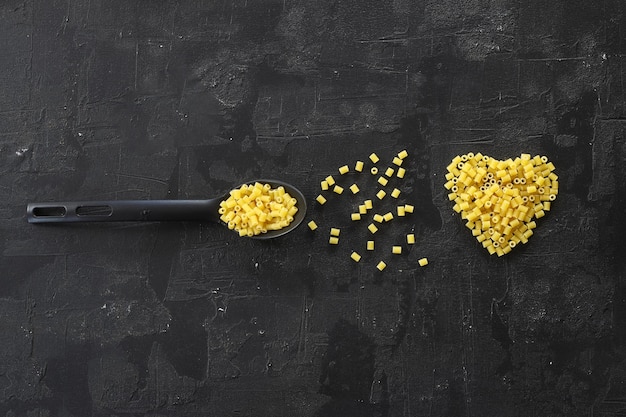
[(119, 99)]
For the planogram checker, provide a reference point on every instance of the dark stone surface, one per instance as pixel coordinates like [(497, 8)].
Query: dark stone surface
[(167, 99)]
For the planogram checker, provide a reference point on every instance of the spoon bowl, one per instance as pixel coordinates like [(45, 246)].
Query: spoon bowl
[(154, 210)]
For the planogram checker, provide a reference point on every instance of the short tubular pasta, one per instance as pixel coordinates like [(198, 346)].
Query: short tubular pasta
[(356, 184), (253, 209), (499, 200)]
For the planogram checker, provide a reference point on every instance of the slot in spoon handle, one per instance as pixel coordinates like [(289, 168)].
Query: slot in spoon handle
[(123, 210)]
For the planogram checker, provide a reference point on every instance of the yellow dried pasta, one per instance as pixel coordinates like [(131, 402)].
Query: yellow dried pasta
[(499, 199), (254, 209)]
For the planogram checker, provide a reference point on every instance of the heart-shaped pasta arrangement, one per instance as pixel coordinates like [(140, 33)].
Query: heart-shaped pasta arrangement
[(500, 200)]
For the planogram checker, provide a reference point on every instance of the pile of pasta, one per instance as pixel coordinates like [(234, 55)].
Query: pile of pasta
[(256, 208), (500, 200), (369, 207)]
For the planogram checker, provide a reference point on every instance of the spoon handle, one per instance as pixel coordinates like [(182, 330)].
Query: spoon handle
[(123, 210)]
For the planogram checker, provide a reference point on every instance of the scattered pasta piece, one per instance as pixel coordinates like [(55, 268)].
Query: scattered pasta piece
[(423, 262), (330, 184)]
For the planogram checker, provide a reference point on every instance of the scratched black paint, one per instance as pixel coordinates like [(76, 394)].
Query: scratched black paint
[(348, 365), (118, 84), (577, 122)]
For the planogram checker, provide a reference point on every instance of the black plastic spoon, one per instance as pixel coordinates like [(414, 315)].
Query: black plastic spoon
[(153, 210)]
